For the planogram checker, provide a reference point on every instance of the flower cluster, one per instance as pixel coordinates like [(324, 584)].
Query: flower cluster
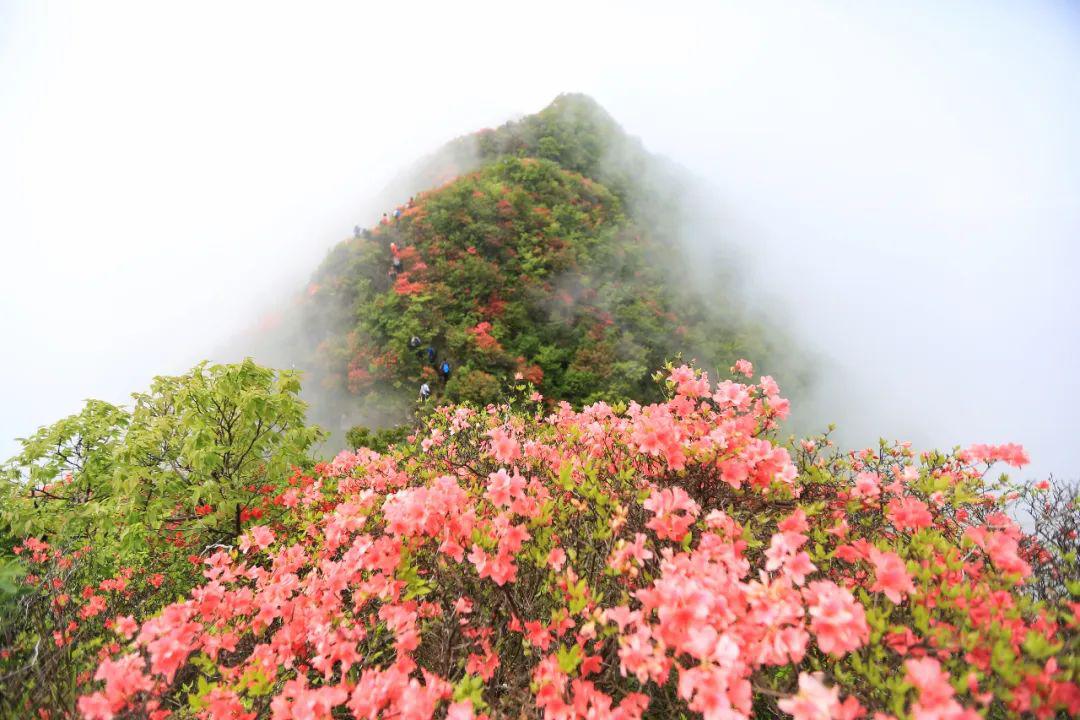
[(80, 620), (647, 561), (481, 333)]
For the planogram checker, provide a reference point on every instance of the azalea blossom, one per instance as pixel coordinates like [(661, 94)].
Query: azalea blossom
[(595, 563), (814, 701), (890, 575)]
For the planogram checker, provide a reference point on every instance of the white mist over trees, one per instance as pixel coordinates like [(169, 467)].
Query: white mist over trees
[(902, 184)]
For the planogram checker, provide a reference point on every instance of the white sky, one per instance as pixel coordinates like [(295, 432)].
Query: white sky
[(904, 176)]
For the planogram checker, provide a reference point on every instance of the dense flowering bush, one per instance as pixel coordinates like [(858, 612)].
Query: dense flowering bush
[(669, 560), (68, 617)]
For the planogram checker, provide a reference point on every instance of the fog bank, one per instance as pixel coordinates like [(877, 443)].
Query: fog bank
[(903, 180)]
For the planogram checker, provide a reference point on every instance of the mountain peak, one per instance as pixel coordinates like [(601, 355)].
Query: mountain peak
[(545, 249), (573, 130)]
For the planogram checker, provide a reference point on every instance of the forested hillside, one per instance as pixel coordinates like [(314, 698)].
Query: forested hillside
[(551, 251)]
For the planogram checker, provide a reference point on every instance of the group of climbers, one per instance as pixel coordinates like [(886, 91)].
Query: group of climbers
[(395, 262), (387, 217), (396, 266), (443, 368)]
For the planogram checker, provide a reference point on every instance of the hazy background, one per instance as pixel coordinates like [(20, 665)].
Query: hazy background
[(903, 178)]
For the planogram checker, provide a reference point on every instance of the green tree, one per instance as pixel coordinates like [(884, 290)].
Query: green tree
[(214, 437), (56, 483), (105, 508), (110, 476)]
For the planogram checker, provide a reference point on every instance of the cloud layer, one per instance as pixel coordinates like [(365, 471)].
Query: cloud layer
[(904, 182)]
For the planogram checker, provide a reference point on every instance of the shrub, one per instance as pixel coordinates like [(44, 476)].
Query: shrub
[(379, 440), (474, 386), (670, 560)]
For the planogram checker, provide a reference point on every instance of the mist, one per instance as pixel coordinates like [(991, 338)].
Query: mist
[(900, 183)]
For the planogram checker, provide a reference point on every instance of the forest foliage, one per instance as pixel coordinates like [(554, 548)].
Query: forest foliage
[(553, 251)]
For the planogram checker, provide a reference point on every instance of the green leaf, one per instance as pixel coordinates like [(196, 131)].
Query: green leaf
[(569, 658), (1037, 646)]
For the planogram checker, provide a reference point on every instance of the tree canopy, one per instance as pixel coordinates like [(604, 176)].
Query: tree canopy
[(133, 493)]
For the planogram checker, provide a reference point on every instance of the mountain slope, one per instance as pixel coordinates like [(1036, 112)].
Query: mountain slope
[(554, 253)]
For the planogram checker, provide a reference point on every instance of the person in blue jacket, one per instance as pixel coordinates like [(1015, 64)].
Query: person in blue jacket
[(444, 370)]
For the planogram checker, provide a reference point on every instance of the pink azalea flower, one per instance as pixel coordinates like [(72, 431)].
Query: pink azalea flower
[(259, 536), (909, 514), (460, 711), (504, 447), (867, 485), (837, 620), (814, 701), (675, 512), (890, 575), (125, 625), (502, 488), (1010, 453)]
